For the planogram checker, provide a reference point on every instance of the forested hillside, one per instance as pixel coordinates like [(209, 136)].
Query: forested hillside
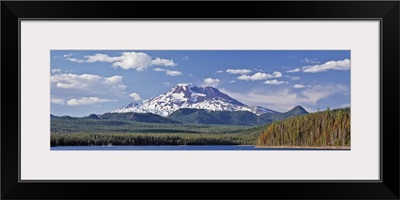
[(322, 129)]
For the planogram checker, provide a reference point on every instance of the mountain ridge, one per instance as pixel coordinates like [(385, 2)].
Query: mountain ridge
[(201, 116), (196, 116), (190, 96)]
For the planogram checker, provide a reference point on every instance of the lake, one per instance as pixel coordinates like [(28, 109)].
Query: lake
[(180, 148)]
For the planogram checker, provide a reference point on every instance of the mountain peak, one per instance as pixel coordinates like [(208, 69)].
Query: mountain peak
[(298, 109), (185, 95)]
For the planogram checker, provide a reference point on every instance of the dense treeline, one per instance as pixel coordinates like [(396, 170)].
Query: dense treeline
[(322, 129), (87, 139), (84, 125)]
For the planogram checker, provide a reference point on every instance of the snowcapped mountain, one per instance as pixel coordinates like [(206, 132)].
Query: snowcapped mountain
[(189, 96)]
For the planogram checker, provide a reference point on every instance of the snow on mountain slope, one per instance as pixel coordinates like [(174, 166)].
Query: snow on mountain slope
[(189, 96)]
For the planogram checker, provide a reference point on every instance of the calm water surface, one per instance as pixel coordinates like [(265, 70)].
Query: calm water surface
[(179, 148)]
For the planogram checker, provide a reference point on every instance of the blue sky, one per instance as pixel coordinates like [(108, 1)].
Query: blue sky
[(85, 82)]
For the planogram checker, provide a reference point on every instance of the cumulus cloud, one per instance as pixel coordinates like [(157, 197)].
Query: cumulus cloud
[(159, 69), (310, 61), (56, 71), (330, 65), (138, 61), (260, 76), (135, 96), (210, 82), (86, 84), (76, 60), (67, 55), (98, 57), (173, 73), (132, 60), (163, 62), (168, 72), (57, 101), (293, 70), (238, 71), (274, 82), (277, 74), (86, 101), (299, 86)]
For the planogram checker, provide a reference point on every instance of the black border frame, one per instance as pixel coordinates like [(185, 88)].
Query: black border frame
[(385, 11)]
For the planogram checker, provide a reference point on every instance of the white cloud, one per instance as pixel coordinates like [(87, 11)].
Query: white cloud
[(310, 61), (284, 100), (166, 84), (260, 76), (173, 73), (186, 58), (238, 71), (233, 81), (132, 60), (56, 71), (315, 93), (294, 78), (59, 71), (274, 82), (168, 72), (330, 65), (219, 71), (210, 82), (254, 77), (299, 86), (159, 70), (57, 101), (163, 62), (293, 70), (67, 85), (135, 96), (86, 101), (190, 75), (98, 57), (277, 74), (128, 60), (76, 60), (67, 55)]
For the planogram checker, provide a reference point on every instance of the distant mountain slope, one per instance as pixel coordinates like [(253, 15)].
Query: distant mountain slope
[(296, 111), (189, 96), (201, 116), (138, 117)]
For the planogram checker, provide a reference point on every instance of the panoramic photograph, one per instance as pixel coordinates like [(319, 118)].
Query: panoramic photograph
[(200, 100)]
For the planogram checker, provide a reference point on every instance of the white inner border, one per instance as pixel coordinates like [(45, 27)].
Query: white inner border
[(39, 163)]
